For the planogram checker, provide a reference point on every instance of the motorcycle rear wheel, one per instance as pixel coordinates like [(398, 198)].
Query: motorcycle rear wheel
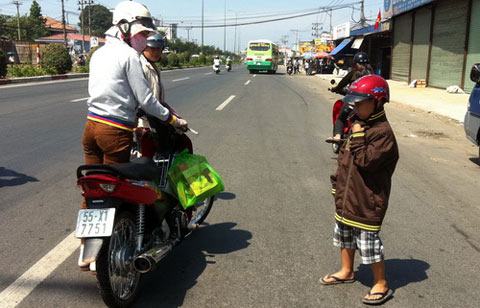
[(118, 281), (202, 210)]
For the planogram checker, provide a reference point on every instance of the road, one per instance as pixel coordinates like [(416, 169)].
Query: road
[(268, 238)]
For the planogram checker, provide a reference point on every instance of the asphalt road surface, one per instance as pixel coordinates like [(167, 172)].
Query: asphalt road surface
[(269, 236)]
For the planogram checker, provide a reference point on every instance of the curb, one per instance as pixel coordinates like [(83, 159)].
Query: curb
[(42, 78), (66, 76)]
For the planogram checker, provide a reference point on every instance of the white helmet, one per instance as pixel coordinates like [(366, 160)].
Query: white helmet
[(128, 13)]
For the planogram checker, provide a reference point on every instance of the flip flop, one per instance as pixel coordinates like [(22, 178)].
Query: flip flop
[(385, 296), (335, 281)]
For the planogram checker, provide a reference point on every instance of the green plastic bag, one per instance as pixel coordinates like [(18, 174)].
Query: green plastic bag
[(193, 179)]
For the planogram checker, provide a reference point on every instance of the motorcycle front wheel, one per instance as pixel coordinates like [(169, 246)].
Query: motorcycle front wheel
[(117, 279)]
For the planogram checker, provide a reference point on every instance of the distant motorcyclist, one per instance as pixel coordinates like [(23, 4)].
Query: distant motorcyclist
[(216, 64), (361, 67), (228, 63)]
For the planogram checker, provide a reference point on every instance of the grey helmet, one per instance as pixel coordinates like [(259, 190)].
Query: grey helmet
[(156, 41)]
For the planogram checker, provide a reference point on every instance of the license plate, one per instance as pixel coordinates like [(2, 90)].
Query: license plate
[(95, 222)]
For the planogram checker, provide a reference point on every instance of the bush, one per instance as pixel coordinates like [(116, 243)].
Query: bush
[(3, 64), (202, 59), (173, 60), (56, 59), (27, 70)]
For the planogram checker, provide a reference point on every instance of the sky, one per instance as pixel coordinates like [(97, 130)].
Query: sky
[(190, 10)]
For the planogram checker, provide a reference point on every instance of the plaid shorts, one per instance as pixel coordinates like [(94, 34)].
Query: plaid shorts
[(368, 243)]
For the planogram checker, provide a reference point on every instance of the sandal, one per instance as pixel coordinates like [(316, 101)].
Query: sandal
[(335, 280), (385, 296)]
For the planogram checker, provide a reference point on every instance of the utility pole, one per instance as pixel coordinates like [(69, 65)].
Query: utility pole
[(203, 20), (64, 25), (316, 27), (284, 40), (331, 27), (80, 8), (17, 4), (362, 13), (89, 2), (296, 31), (235, 41), (188, 29), (225, 27)]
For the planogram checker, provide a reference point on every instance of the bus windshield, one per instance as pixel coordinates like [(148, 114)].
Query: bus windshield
[(260, 46)]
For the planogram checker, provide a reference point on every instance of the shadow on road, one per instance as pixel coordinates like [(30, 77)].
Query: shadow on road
[(226, 196), (179, 272), (475, 160), (400, 272), (12, 178)]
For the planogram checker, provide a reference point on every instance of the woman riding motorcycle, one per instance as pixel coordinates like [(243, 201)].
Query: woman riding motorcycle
[(118, 87)]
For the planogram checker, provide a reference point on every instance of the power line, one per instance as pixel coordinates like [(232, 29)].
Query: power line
[(317, 11)]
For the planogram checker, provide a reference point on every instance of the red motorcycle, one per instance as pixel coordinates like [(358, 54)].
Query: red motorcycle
[(132, 221), (337, 110)]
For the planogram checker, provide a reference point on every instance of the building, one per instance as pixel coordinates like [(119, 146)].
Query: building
[(437, 41), (375, 41)]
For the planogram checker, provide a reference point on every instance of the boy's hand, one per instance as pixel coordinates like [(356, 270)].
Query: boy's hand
[(357, 128)]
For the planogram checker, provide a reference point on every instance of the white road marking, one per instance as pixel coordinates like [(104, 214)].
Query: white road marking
[(79, 100), (225, 103), (180, 79), (248, 81), (209, 73), (254, 75), (24, 285)]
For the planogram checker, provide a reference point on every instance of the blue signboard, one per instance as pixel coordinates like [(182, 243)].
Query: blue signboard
[(396, 7)]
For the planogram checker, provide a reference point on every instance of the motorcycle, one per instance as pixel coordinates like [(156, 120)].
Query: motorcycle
[(336, 112), (131, 222), (228, 67), (289, 69), (216, 68)]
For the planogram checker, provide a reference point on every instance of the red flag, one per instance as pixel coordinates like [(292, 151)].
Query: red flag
[(379, 19)]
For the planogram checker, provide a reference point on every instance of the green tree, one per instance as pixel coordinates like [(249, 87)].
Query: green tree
[(101, 19), (36, 23)]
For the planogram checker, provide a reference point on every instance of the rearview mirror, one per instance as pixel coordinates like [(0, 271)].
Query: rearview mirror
[(475, 73)]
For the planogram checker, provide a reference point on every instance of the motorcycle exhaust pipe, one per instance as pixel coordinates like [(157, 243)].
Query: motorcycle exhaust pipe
[(147, 261)]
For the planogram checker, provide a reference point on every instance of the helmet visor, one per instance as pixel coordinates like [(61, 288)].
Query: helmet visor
[(353, 97), (156, 42)]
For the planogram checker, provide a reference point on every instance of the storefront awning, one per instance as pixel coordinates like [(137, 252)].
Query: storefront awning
[(341, 47)]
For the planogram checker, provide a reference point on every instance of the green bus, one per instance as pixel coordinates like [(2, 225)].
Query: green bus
[(262, 55)]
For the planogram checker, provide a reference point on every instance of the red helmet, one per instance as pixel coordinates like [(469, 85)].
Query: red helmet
[(370, 86)]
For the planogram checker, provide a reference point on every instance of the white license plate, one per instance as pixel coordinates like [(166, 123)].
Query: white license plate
[(95, 222)]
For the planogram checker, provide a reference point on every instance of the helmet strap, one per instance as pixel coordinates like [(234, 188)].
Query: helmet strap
[(124, 28)]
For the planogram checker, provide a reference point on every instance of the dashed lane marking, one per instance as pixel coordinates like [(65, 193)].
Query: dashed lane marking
[(225, 103), (180, 79), (248, 81), (24, 285), (79, 100)]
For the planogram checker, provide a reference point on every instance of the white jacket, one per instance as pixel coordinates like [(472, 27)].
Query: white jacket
[(117, 85)]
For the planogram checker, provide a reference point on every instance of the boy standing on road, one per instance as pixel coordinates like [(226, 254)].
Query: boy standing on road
[(366, 163)]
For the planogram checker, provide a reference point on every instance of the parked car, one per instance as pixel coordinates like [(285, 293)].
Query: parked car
[(472, 118)]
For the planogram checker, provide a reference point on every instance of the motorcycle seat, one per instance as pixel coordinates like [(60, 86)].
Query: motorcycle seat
[(140, 169)]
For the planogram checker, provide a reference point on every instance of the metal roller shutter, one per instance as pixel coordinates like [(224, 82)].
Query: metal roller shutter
[(421, 43), (473, 44), (402, 32), (448, 43)]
